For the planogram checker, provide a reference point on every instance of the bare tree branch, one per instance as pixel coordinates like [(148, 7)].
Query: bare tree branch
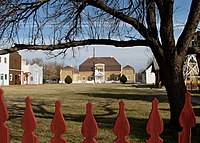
[(118, 14), (151, 18), (188, 32), (166, 27), (115, 43)]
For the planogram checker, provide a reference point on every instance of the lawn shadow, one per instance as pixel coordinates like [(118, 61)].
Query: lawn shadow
[(148, 98)]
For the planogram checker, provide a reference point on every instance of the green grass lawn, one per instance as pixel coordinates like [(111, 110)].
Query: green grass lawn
[(105, 98)]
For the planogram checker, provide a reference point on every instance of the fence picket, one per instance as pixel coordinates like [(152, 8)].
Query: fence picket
[(187, 120), (4, 131), (58, 126), (155, 124), (29, 123), (121, 127), (89, 126)]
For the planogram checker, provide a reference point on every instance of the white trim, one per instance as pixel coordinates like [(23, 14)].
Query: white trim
[(15, 70)]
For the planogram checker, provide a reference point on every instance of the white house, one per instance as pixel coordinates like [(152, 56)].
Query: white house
[(25, 73), (36, 74), (32, 74), (4, 69), (148, 75)]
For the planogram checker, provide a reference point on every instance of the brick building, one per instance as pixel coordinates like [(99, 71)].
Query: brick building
[(14, 69)]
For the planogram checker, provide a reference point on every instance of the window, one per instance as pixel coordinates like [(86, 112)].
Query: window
[(128, 77), (31, 78), (108, 78), (91, 78), (83, 77), (100, 70), (10, 77), (1, 76), (5, 76), (5, 60), (116, 78), (0, 59)]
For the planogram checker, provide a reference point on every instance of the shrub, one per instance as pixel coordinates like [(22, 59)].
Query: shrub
[(123, 79), (68, 79)]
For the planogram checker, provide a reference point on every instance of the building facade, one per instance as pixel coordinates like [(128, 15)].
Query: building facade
[(100, 70), (4, 69), (148, 77), (36, 74), (31, 74), (14, 69), (72, 72), (129, 72)]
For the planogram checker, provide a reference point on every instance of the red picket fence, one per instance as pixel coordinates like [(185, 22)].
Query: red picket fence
[(89, 127)]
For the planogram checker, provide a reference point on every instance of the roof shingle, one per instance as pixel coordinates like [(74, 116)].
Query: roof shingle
[(110, 64)]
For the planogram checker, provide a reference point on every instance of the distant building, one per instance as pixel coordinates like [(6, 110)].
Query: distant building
[(25, 73), (4, 69), (14, 69), (31, 74), (129, 72), (100, 69), (151, 75), (72, 72), (36, 74)]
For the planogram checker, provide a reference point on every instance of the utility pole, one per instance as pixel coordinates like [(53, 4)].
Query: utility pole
[(94, 64)]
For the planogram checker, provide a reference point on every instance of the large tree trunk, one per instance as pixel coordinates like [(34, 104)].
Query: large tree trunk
[(175, 86)]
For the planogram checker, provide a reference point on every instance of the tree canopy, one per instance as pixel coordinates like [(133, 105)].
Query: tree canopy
[(62, 24)]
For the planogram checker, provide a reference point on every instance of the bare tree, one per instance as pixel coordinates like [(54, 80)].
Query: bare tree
[(52, 71), (38, 61), (121, 23)]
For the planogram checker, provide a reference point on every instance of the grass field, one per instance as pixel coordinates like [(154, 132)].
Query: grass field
[(105, 98)]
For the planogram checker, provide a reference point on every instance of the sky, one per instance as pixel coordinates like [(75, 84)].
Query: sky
[(137, 57)]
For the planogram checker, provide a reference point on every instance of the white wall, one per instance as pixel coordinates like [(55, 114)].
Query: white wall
[(36, 76), (4, 70), (24, 69), (150, 76)]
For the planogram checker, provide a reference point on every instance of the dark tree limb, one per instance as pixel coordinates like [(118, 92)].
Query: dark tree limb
[(130, 43), (166, 27), (118, 14), (151, 18), (187, 34)]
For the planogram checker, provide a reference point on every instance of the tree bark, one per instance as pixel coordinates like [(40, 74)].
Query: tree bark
[(173, 79)]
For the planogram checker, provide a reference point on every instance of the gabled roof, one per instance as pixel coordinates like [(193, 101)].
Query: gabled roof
[(71, 68), (154, 65), (67, 68), (110, 64), (128, 67)]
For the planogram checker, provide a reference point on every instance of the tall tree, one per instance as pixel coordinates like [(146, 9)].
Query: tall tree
[(52, 71), (121, 23), (38, 61)]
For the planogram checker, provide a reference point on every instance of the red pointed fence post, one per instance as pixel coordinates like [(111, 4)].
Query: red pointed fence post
[(89, 127), (29, 124), (121, 127), (187, 121), (58, 126), (155, 124), (4, 131)]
